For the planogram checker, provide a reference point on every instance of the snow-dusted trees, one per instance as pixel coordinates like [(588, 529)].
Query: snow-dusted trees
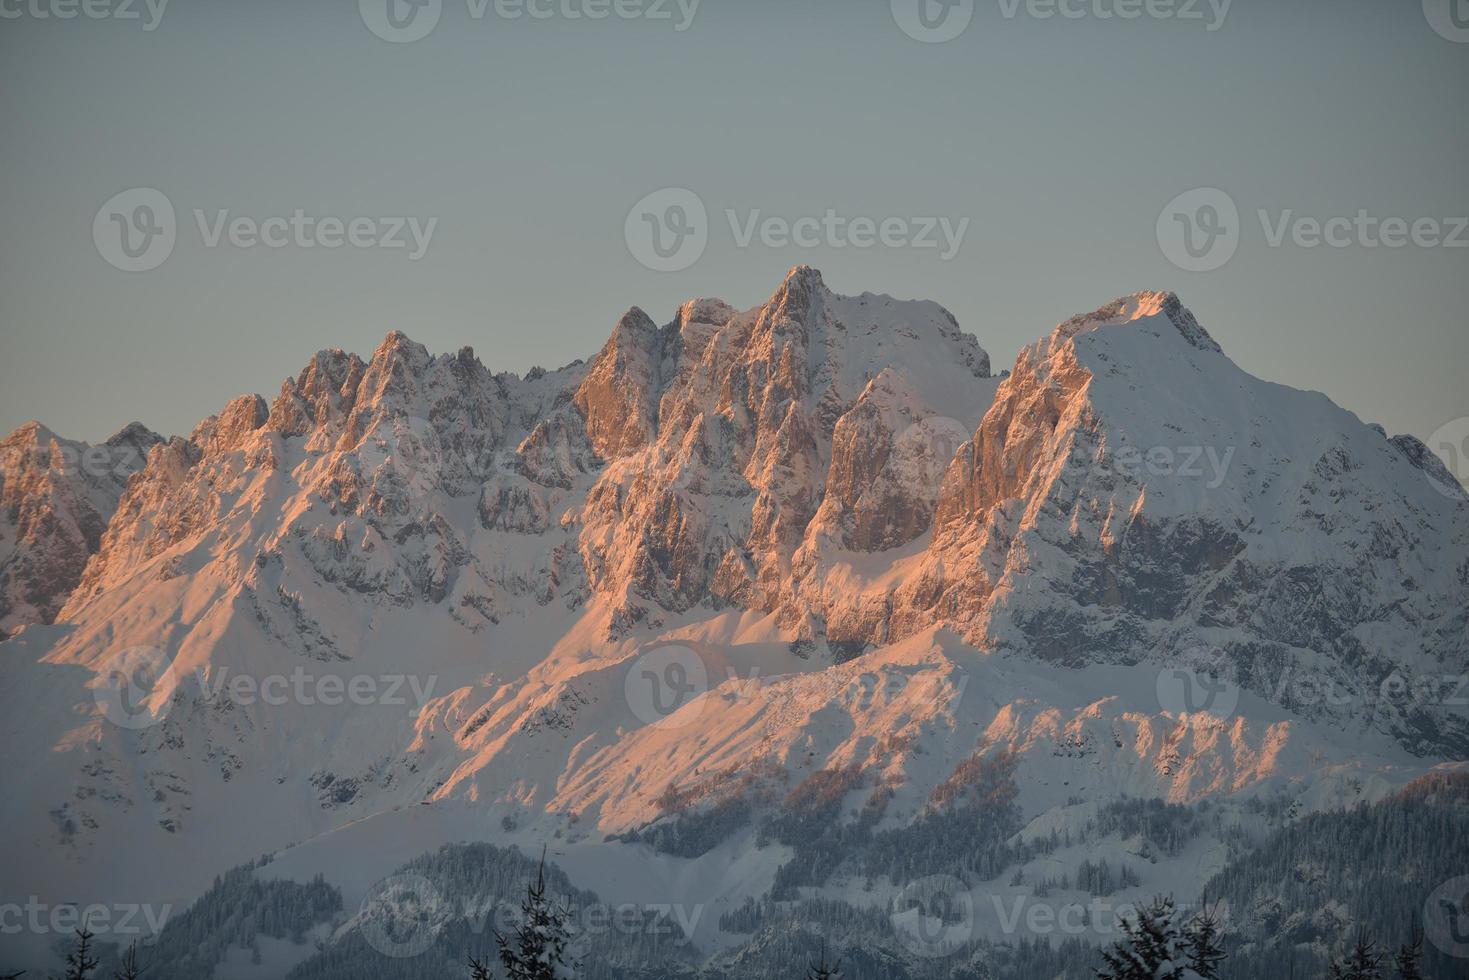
[(1201, 942), (80, 962), (1409, 958), (1157, 946), (541, 946), (129, 969), (1362, 963)]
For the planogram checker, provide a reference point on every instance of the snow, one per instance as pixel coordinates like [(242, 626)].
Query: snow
[(818, 473)]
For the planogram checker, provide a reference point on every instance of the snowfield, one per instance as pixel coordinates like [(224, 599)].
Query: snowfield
[(812, 557)]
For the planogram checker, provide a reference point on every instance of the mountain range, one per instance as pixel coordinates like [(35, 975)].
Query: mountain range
[(738, 582)]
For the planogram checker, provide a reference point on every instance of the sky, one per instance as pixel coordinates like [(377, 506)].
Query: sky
[(1024, 169)]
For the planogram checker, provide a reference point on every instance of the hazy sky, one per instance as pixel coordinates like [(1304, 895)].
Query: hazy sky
[(1060, 139)]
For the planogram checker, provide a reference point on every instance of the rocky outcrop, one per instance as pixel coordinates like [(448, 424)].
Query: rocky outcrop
[(56, 497), (844, 464)]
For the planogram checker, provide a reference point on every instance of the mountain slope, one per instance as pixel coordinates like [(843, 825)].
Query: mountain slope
[(734, 564), (56, 497)]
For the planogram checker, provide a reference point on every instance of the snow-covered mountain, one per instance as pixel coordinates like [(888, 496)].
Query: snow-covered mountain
[(812, 550), (56, 497)]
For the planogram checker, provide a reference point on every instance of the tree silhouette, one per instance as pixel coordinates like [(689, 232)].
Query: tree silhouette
[(1362, 963), (823, 970), (1149, 949), (541, 947), (1409, 958), (80, 962), (129, 969), (1201, 943)]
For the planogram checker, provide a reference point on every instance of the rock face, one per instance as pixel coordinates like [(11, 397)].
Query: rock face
[(823, 490), (56, 497), (1133, 495), (802, 425)]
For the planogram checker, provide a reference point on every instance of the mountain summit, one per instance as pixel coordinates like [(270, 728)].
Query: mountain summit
[(825, 511)]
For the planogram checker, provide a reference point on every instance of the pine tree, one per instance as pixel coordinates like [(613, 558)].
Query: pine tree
[(823, 970), (478, 970), (129, 970), (1150, 947), (1201, 944), (1362, 964), (1409, 958), (80, 962), (541, 947)]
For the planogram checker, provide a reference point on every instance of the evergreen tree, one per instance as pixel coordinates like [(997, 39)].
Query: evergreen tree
[(541, 947), (478, 970), (823, 970), (1409, 958), (80, 962), (1201, 944), (129, 969), (1149, 949), (1362, 964)]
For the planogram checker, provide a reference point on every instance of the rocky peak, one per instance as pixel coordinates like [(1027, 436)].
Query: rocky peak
[(56, 497), (323, 392), (620, 393), (1140, 308)]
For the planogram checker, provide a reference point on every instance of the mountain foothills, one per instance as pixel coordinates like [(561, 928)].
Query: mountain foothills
[(792, 608)]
